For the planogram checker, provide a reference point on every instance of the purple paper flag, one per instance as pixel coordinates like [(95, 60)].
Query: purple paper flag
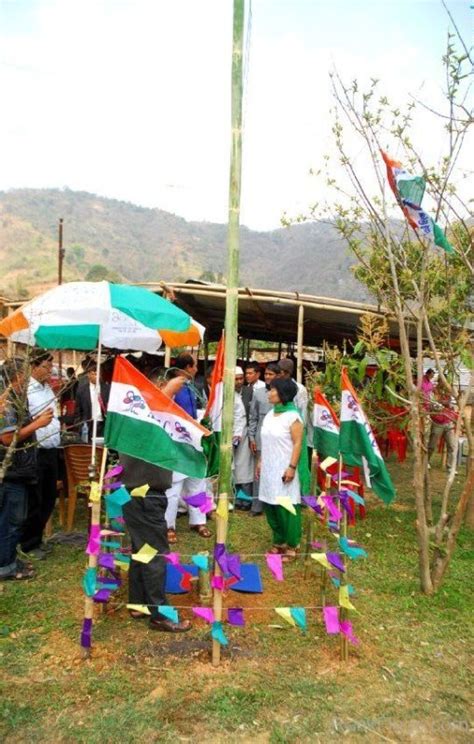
[(109, 581), (275, 564), (86, 634), (112, 486), (93, 546), (344, 474), (206, 613), (346, 628), (116, 470), (217, 582), (172, 558), (331, 618), (103, 595), (233, 565), (336, 561), (312, 502), (221, 557), (334, 512), (207, 506), (196, 499), (106, 560), (235, 616)]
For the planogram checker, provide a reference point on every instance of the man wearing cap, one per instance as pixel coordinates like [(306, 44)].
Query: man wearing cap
[(287, 369), (244, 460)]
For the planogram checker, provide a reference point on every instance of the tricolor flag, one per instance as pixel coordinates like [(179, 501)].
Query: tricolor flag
[(420, 220), (216, 392), (403, 184), (143, 422), (325, 428), (357, 442)]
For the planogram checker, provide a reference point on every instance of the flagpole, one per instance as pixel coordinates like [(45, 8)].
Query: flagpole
[(343, 532), (231, 314)]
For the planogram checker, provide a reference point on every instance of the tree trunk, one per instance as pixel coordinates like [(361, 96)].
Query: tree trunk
[(422, 530)]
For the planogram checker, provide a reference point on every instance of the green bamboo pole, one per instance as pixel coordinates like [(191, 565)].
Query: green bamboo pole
[(231, 310)]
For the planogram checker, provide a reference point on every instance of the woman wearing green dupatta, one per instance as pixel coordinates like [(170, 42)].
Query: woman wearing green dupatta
[(283, 468)]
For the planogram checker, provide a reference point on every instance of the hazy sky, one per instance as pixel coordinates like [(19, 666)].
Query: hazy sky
[(131, 99)]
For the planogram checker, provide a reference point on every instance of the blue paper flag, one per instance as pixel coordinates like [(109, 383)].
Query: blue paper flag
[(351, 551), (201, 561), (337, 584), (356, 496), (299, 616), (112, 510), (242, 496), (169, 612), (89, 581), (119, 497), (218, 634), (110, 544)]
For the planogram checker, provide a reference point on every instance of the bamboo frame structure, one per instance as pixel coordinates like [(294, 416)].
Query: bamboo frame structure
[(225, 474)]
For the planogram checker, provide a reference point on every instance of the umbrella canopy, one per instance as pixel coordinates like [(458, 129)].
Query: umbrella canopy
[(71, 316)]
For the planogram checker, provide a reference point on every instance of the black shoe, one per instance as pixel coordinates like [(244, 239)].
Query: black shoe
[(168, 626), (256, 514)]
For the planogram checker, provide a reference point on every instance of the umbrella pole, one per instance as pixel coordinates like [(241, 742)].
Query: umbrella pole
[(95, 408)]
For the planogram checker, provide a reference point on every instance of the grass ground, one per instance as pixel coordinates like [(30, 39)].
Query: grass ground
[(408, 680)]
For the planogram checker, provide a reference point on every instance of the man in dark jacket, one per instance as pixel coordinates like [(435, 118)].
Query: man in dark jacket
[(18, 467), (87, 402)]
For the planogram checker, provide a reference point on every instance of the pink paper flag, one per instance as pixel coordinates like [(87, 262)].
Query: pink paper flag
[(116, 470), (172, 558), (331, 618), (346, 628), (207, 506), (93, 546), (206, 613), (274, 563), (332, 508), (217, 582)]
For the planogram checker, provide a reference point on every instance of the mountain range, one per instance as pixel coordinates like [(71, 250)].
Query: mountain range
[(120, 241)]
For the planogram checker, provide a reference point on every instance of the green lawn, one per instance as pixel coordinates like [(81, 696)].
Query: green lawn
[(408, 680)]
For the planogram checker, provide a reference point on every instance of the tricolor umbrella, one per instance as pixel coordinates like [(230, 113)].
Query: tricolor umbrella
[(78, 315)]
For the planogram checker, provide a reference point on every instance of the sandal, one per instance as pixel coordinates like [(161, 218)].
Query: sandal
[(202, 530), (22, 574), (290, 555), (136, 615), (277, 549), (171, 534)]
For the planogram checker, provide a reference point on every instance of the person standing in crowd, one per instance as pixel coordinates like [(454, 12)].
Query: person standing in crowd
[(182, 485), (252, 376), (146, 523), (443, 422), (19, 468), (244, 460), (283, 467), (259, 408), (41, 501), (287, 369), (68, 398), (427, 387), (89, 404)]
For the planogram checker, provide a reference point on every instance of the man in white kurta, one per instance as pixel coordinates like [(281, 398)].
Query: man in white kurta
[(244, 459)]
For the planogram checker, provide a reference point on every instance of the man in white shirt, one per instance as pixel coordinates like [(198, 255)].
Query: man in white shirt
[(41, 500), (244, 460)]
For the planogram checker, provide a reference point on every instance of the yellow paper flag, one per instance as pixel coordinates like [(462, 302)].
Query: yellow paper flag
[(221, 510), (285, 613), (344, 600), (139, 608), (327, 462), (94, 494), (321, 558), (123, 565), (145, 554), (287, 504), (140, 490)]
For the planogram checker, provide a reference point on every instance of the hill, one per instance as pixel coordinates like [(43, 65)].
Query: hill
[(106, 238)]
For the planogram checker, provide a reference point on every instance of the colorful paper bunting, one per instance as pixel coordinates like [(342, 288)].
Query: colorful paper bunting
[(331, 619), (116, 470), (145, 554), (119, 497), (233, 565), (336, 561), (112, 486), (169, 612), (89, 581), (86, 633), (285, 613), (206, 613), (321, 558), (353, 495), (299, 616), (110, 544), (218, 634), (186, 581), (106, 560), (172, 558), (286, 503), (141, 491), (346, 628), (242, 496), (275, 564), (93, 546), (139, 608), (102, 595), (344, 600), (196, 499), (220, 556), (312, 502), (334, 512), (217, 582), (235, 616), (201, 561), (343, 474), (350, 550)]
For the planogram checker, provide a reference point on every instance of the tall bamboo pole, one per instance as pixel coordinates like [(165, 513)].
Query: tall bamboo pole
[(299, 345), (231, 310)]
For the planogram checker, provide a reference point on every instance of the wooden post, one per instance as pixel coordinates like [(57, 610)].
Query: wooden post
[(299, 346), (167, 356), (342, 610), (310, 514), (231, 312), (92, 562)]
